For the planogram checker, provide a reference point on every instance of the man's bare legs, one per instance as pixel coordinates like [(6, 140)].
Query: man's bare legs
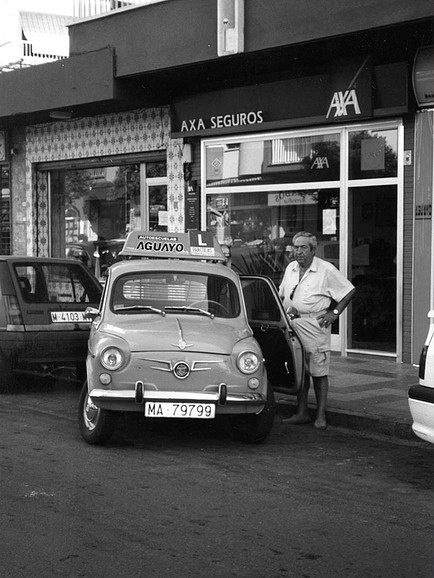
[(302, 414), (321, 386)]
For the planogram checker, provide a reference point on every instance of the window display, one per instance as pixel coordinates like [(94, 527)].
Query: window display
[(259, 227), (94, 208), (278, 160), (373, 154)]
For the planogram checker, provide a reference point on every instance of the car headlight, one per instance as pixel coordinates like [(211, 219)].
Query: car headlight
[(112, 358), (248, 362)]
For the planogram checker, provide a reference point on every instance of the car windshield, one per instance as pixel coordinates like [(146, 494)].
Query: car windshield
[(175, 293)]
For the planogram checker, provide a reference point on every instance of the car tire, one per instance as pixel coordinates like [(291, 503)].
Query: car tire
[(8, 381), (96, 424), (253, 429)]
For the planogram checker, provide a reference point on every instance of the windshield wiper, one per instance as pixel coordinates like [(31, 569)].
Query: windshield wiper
[(189, 309), (141, 308)]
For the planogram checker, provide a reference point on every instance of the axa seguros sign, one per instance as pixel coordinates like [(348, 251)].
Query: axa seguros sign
[(239, 119), (344, 93)]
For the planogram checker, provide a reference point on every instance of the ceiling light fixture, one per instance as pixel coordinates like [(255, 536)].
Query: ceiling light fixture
[(60, 114)]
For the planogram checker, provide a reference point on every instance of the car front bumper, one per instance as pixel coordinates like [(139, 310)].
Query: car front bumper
[(226, 402), (421, 404)]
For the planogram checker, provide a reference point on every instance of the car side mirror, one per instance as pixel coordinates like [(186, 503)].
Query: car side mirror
[(91, 313)]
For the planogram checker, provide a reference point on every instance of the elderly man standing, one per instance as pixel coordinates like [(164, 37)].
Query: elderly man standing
[(314, 294)]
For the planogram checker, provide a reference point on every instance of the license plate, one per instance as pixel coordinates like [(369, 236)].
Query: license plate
[(173, 409), (69, 317)]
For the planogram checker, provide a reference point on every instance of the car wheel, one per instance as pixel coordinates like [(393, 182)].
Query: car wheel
[(253, 429), (96, 425)]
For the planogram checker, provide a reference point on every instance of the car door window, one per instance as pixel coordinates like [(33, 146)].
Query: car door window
[(56, 283), (260, 302)]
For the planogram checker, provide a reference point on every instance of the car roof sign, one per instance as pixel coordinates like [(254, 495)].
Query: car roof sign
[(198, 245)]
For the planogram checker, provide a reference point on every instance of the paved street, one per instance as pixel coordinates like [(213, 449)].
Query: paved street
[(184, 500)]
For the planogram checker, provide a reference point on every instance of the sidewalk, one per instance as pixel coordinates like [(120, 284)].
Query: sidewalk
[(367, 394)]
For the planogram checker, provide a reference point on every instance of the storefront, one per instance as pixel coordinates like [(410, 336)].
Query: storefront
[(342, 184), (93, 180), (340, 177), (304, 127)]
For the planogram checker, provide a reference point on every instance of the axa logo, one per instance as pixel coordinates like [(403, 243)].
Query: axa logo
[(341, 101)]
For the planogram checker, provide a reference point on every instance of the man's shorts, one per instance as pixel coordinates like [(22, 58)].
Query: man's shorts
[(316, 343), (317, 363)]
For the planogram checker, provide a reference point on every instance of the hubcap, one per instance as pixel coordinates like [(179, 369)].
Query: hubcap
[(90, 414)]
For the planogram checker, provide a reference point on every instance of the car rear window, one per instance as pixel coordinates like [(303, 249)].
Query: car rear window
[(174, 291), (56, 283)]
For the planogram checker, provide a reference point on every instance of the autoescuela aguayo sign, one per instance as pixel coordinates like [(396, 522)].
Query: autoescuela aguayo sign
[(344, 93)]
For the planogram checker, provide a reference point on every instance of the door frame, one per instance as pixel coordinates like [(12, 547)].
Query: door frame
[(397, 181)]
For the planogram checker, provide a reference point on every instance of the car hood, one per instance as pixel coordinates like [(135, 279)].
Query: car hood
[(179, 333)]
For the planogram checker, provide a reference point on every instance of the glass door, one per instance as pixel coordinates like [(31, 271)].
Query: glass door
[(374, 253), (372, 265), (156, 214)]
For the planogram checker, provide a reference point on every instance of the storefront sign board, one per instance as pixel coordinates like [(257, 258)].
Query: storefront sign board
[(351, 90), (342, 94)]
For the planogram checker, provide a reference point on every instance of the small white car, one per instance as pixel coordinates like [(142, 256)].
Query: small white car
[(421, 397), (179, 334)]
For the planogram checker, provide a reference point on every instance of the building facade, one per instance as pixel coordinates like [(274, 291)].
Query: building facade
[(209, 116)]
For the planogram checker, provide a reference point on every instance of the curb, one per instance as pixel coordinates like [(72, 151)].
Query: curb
[(357, 422)]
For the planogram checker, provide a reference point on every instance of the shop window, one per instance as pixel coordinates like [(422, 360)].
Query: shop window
[(269, 161), (94, 208), (97, 203), (286, 151), (373, 154), (259, 227), (156, 170), (261, 189)]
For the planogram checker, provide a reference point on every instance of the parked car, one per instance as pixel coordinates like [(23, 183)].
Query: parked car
[(96, 255), (42, 315), (421, 397), (82, 252), (179, 334)]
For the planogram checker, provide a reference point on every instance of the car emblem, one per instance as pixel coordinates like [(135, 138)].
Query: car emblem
[(182, 344), (181, 370)]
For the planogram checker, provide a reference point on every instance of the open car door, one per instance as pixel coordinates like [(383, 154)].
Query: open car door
[(283, 352)]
